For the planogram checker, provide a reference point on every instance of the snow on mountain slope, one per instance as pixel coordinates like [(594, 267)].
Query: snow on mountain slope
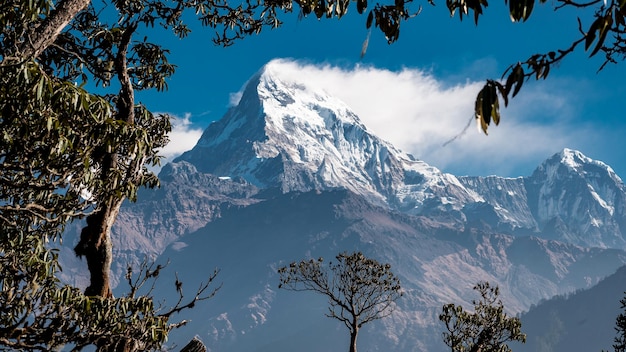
[(505, 207), (579, 200), (569, 197), (292, 136)]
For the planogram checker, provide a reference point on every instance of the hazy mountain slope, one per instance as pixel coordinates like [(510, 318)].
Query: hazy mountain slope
[(435, 263), (186, 201), (583, 321)]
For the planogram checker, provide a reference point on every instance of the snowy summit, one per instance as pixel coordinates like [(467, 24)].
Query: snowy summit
[(286, 134)]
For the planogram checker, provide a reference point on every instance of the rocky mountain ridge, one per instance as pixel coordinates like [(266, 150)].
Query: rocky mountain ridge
[(284, 134), (569, 197)]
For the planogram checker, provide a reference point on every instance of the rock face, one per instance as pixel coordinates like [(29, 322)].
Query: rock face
[(291, 173)]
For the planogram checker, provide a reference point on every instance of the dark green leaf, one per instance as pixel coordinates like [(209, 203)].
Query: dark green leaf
[(478, 112), (605, 26), (591, 33), (503, 93), (487, 104), (519, 79), (320, 9), (495, 110), (370, 18), (361, 5), (528, 8)]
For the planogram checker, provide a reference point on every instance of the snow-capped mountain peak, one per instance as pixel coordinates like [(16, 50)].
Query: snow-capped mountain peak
[(571, 188), (285, 133), (578, 163), (283, 95), (573, 158)]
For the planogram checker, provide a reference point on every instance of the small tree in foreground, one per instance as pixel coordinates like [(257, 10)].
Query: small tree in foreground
[(487, 329), (620, 327), (359, 289)]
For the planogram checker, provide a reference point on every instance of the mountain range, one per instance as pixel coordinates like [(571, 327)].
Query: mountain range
[(291, 173)]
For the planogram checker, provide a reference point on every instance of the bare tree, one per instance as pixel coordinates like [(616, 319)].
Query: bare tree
[(359, 289)]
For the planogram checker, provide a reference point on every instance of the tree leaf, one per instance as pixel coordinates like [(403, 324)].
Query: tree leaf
[(370, 18), (591, 33), (40, 85), (519, 76), (528, 9), (514, 10), (478, 112), (320, 9), (49, 122), (487, 103), (503, 93), (361, 5), (495, 110), (605, 26)]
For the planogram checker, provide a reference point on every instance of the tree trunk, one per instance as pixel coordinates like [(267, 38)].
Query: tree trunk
[(194, 345), (353, 334), (95, 239), (42, 36), (95, 244)]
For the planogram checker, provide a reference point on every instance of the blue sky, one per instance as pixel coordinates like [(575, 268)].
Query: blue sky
[(419, 92)]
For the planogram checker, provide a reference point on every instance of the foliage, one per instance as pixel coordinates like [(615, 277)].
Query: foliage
[(51, 131), (487, 329), (359, 289), (65, 317)]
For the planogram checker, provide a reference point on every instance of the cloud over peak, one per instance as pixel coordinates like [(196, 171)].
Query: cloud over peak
[(420, 113)]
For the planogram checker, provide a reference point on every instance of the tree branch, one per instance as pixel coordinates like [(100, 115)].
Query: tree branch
[(43, 35)]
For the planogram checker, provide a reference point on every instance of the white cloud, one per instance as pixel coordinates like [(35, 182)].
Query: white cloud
[(234, 98), (419, 113), (183, 137)]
